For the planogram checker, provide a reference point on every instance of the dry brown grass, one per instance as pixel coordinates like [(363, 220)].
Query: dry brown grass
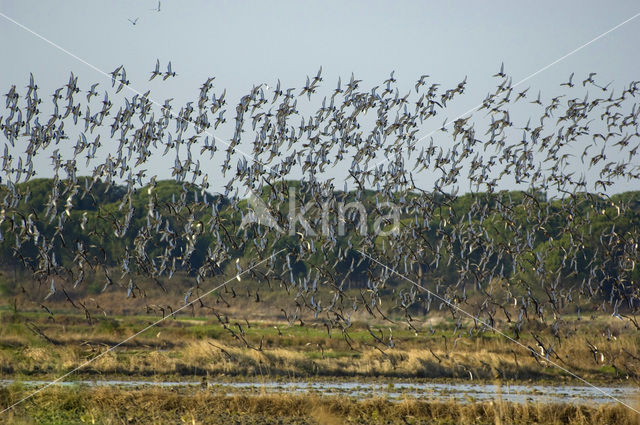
[(200, 346), (477, 360)]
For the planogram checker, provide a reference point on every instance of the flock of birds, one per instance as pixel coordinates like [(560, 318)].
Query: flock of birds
[(573, 146)]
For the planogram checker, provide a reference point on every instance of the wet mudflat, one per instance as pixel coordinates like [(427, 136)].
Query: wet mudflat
[(398, 390)]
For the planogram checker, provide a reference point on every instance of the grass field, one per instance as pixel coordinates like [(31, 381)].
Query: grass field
[(83, 405), (37, 345), (251, 341)]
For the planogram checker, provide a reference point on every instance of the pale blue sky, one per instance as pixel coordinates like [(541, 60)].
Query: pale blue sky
[(246, 43)]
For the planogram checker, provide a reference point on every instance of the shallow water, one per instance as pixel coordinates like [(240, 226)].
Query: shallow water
[(460, 392)]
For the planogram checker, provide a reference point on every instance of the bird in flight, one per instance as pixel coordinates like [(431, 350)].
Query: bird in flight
[(156, 71), (133, 21), (169, 72), (156, 9)]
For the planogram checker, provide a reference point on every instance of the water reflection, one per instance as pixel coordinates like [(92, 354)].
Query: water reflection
[(460, 392)]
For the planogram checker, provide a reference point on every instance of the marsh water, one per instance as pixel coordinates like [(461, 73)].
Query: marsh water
[(397, 390)]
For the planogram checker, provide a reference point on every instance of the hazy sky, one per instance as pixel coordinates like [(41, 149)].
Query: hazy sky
[(245, 43)]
